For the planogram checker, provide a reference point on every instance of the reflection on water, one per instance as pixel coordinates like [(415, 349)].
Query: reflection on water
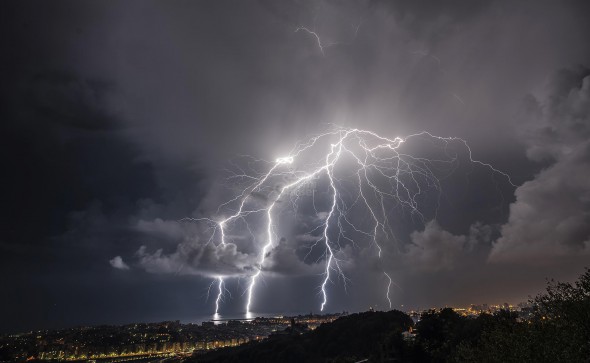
[(221, 318)]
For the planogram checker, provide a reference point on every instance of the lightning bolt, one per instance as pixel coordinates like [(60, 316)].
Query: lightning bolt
[(219, 295), (316, 36), (382, 175), (323, 45), (388, 288)]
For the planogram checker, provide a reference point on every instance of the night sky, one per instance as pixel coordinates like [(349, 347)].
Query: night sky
[(118, 119)]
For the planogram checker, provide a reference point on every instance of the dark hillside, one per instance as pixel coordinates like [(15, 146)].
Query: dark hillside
[(348, 339)]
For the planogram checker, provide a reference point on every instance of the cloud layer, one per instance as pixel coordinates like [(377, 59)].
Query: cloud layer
[(119, 118), (551, 215)]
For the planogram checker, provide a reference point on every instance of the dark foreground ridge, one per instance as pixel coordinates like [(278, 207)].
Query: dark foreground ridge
[(349, 338), (557, 330), (552, 327)]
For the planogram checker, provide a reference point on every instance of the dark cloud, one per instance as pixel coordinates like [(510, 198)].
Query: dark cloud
[(551, 216), (72, 101), (435, 249), (118, 120), (285, 259), (203, 259)]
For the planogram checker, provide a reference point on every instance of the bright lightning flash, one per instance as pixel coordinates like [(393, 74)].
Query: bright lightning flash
[(316, 36), (323, 45), (219, 295), (364, 173), (388, 288)]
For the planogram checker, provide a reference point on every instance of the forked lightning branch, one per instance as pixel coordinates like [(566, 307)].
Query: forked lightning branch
[(353, 179)]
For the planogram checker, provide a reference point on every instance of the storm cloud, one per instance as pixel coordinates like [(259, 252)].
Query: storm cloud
[(551, 215), (206, 259), (120, 119)]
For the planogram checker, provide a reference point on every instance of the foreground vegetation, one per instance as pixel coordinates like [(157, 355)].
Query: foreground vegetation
[(558, 330)]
